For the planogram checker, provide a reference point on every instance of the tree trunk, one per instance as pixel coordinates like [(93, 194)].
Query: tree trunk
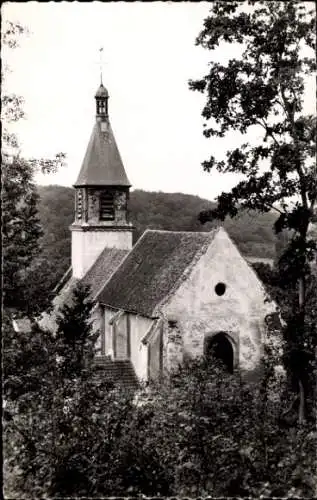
[(301, 297), (301, 408), (301, 392)]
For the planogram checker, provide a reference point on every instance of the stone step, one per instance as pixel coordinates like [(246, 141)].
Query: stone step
[(119, 371)]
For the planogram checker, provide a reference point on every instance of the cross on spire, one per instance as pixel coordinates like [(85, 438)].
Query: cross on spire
[(101, 63)]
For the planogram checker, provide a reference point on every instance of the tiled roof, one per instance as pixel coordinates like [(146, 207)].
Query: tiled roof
[(103, 268), (151, 269), (120, 372), (96, 276), (102, 165)]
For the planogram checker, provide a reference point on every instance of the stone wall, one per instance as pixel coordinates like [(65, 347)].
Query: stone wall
[(239, 311), (173, 352), (90, 206), (120, 207)]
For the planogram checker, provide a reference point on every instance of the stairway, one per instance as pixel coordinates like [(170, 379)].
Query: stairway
[(119, 371)]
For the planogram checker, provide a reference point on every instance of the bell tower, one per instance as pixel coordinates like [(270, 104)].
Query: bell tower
[(101, 195)]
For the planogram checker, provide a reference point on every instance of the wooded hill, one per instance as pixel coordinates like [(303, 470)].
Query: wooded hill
[(252, 232)]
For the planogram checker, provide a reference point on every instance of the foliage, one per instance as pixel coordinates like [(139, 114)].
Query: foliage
[(51, 399), (205, 432), (24, 287), (27, 360), (75, 339), (263, 89), (199, 432), (300, 340), (20, 228)]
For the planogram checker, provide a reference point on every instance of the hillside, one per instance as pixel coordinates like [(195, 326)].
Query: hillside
[(155, 210)]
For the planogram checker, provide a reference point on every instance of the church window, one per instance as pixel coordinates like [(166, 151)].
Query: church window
[(106, 205), (79, 205), (220, 289)]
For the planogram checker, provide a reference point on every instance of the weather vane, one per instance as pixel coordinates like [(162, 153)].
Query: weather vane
[(101, 63)]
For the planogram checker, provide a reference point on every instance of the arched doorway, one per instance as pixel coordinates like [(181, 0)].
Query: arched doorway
[(220, 347)]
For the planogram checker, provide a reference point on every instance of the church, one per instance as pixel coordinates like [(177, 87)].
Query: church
[(171, 296)]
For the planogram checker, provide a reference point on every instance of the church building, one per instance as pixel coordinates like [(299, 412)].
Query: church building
[(171, 296)]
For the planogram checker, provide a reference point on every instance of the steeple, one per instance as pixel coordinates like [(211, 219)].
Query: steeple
[(102, 192), (102, 165)]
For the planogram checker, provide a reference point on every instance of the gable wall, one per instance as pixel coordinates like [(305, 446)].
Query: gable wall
[(200, 312)]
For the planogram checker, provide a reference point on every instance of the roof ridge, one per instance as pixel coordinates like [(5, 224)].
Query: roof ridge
[(176, 232)]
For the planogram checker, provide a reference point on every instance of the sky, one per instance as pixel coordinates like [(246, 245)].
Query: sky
[(149, 55)]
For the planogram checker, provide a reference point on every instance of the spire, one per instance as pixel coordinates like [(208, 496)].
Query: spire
[(102, 165)]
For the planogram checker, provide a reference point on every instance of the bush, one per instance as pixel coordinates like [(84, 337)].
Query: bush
[(205, 432), (199, 432)]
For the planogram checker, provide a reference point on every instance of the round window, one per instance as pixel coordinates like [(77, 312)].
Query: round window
[(220, 288)]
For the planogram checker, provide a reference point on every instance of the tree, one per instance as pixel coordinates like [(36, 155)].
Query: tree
[(51, 395), (21, 230), (264, 89), (75, 339)]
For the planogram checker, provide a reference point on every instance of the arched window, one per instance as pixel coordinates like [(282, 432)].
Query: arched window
[(220, 347), (106, 205)]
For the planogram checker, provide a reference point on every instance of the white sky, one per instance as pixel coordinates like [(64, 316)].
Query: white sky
[(149, 56)]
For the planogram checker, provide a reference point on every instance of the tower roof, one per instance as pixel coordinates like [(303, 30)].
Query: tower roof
[(102, 91), (102, 165)]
